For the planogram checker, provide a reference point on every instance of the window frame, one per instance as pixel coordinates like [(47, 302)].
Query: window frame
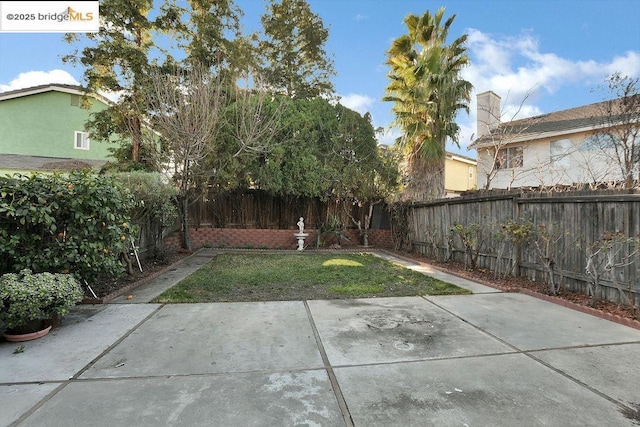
[(85, 141), (511, 157), (559, 152)]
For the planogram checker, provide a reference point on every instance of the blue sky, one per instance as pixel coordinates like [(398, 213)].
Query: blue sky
[(559, 51)]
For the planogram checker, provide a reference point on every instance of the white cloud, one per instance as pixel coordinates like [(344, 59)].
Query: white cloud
[(515, 65), (359, 17), (628, 65), (389, 136), (111, 96), (357, 102), (518, 70), (35, 78), (514, 111)]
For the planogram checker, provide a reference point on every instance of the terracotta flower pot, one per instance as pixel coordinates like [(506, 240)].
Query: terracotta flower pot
[(26, 337), (20, 335)]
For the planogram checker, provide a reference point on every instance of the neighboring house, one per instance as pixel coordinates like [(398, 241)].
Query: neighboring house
[(42, 128), (459, 174), (559, 148)]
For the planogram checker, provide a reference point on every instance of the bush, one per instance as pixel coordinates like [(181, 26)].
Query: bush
[(156, 210), (25, 297), (75, 223)]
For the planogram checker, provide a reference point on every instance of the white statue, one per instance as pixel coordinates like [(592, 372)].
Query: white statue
[(301, 225)]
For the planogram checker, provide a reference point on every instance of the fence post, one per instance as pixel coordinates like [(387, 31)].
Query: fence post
[(518, 245)]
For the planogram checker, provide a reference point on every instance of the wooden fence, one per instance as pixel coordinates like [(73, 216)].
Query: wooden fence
[(258, 209), (575, 224)]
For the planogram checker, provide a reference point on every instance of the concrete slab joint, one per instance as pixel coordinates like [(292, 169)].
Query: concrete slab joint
[(488, 358)]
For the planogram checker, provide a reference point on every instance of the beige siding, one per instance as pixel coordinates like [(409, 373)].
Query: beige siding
[(460, 174), (576, 165)]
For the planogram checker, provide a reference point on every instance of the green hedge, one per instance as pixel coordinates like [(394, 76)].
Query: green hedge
[(156, 205), (76, 223)]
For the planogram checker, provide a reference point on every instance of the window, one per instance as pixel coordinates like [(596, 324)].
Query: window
[(560, 151), (81, 140), (598, 142), (510, 157)]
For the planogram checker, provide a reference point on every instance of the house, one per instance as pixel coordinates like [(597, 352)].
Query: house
[(564, 148), (459, 174), (42, 128)]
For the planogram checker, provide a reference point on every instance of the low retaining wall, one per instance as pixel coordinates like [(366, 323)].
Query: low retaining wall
[(260, 238)]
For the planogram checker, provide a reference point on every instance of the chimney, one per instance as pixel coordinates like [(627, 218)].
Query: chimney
[(488, 114)]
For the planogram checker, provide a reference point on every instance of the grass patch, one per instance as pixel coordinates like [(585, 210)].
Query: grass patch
[(279, 277)]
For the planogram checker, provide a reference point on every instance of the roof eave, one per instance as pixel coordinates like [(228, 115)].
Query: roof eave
[(70, 89), (535, 137)]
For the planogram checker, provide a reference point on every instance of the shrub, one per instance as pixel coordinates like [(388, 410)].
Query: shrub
[(155, 210), (25, 296), (75, 223)]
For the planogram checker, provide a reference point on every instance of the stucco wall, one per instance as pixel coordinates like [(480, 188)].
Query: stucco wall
[(43, 125)]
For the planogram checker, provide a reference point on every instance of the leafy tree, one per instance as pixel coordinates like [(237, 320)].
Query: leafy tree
[(294, 166), (249, 125), (321, 150), (294, 60), (378, 183), (211, 37), (117, 60), (427, 92), (133, 43), (330, 152), (363, 174), (149, 154), (206, 132)]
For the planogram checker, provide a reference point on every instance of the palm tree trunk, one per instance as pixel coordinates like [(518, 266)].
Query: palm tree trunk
[(427, 178)]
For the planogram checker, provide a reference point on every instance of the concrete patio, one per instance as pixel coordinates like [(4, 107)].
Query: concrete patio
[(487, 359)]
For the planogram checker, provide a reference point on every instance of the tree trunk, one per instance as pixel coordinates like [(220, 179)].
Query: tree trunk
[(426, 179), (135, 149), (186, 238)]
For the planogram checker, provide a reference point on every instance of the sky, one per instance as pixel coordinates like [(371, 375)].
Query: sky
[(540, 56)]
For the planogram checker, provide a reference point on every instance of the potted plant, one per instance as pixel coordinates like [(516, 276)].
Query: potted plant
[(29, 300)]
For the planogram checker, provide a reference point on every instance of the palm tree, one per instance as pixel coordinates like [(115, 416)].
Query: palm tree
[(428, 91)]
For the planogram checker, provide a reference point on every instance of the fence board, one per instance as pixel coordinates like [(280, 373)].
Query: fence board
[(577, 219), (258, 209)]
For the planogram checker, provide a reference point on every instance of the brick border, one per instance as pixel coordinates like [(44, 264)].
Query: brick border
[(115, 294), (588, 310), (266, 238), (549, 298)]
